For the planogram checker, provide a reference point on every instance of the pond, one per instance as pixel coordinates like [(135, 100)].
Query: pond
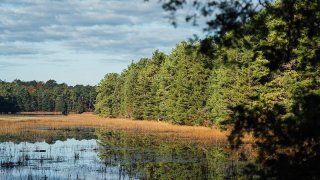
[(105, 154)]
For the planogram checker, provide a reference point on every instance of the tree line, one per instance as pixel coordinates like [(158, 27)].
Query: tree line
[(261, 77), (165, 87), (275, 59), (30, 96)]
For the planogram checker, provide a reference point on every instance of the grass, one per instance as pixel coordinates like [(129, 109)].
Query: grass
[(12, 124), (39, 113)]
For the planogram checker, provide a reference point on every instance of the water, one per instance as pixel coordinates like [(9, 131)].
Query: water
[(70, 159), (111, 155)]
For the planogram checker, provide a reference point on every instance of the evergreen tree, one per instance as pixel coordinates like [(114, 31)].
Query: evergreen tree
[(107, 104), (183, 86), (49, 96)]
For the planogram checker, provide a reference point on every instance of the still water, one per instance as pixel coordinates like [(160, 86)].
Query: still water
[(69, 159), (112, 155)]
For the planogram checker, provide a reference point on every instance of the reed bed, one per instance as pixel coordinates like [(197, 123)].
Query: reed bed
[(12, 124)]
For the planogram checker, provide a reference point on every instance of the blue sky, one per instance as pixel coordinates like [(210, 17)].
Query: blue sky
[(79, 41)]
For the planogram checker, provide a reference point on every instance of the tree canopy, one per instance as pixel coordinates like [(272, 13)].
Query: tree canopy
[(259, 75), (50, 96)]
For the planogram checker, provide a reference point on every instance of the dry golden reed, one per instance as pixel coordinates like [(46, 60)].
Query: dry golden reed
[(10, 124)]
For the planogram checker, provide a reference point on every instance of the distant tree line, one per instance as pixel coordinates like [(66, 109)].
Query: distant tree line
[(20, 96)]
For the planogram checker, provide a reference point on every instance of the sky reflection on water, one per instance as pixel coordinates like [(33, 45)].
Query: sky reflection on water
[(103, 154), (70, 159)]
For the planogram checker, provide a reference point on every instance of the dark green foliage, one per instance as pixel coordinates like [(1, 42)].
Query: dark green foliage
[(50, 96), (282, 111), (288, 141), (260, 74), (220, 16), (107, 103), (61, 105), (171, 88), (8, 105), (182, 86)]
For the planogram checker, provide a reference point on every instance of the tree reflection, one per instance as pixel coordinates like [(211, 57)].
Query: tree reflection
[(148, 157)]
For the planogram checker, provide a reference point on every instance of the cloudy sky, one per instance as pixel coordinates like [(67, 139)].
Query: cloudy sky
[(79, 41)]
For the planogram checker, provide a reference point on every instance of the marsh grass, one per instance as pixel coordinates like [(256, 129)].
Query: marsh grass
[(141, 147), (13, 124)]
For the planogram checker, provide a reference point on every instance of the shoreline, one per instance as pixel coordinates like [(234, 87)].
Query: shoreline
[(10, 124)]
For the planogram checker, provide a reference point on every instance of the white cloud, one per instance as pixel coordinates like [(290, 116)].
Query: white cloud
[(60, 32)]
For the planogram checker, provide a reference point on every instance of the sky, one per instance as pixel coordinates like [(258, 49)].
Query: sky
[(79, 41)]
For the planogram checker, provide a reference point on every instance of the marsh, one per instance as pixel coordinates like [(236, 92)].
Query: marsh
[(89, 147)]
